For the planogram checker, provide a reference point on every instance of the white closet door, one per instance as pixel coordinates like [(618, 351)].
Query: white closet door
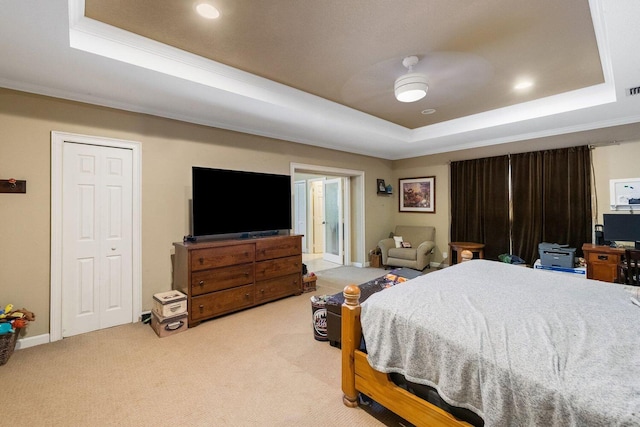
[(97, 285)]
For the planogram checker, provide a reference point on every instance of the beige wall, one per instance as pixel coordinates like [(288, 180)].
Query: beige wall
[(615, 161), (169, 149)]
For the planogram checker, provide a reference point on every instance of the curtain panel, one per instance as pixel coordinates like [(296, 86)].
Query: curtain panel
[(550, 201), (480, 203)]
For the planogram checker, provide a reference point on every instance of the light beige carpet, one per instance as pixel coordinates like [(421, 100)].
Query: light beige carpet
[(258, 367), (337, 278)]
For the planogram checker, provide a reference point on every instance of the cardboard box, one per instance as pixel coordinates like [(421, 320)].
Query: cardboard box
[(170, 303), (165, 326), (578, 271)]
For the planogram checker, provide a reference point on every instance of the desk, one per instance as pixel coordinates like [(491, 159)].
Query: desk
[(602, 262), (458, 247)]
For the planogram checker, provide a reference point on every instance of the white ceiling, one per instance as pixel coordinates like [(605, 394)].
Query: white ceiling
[(49, 47)]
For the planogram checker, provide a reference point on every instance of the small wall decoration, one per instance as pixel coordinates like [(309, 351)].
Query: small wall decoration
[(382, 188), (418, 194), (13, 185), (625, 194)]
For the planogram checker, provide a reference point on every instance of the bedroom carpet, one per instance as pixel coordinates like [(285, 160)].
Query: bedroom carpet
[(258, 367), (337, 278)]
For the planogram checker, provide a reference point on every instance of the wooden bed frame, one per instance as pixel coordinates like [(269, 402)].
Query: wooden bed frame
[(359, 377)]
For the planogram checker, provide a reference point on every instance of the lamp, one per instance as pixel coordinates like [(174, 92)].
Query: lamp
[(412, 86)]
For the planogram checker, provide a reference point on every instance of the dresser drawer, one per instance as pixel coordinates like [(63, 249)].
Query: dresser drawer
[(203, 259), (278, 267), (602, 257), (278, 287), (218, 303), (269, 249), (218, 279)]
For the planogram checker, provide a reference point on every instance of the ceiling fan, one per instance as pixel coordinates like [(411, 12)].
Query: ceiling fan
[(447, 76), (410, 87)]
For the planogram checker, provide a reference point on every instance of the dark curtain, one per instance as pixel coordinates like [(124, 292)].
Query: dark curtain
[(551, 200), (480, 203), (526, 186)]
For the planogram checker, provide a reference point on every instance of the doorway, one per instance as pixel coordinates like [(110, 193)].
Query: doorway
[(346, 234), (96, 236)]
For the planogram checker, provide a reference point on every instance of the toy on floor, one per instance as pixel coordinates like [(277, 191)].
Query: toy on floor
[(11, 319), (6, 328), (4, 311)]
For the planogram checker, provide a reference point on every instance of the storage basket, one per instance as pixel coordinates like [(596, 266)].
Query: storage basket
[(7, 345), (309, 283)]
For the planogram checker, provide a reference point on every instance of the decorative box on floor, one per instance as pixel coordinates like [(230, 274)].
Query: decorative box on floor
[(169, 303), (165, 326), (309, 283)]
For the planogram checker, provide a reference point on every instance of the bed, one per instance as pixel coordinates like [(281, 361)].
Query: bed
[(512, 345)]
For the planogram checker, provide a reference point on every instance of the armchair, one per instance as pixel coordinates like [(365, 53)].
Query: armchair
[(418, 256)]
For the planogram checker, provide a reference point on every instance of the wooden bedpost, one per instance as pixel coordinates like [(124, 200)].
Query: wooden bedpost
[(351, 336)]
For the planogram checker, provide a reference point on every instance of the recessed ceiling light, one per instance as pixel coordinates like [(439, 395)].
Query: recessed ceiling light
[(524, 84), (207, 10), (428, 111)]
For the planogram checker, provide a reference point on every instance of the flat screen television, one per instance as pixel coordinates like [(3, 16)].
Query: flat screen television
[(622, 228), (231, 203)]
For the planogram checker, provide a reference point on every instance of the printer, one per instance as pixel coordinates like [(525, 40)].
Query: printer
[(555, 255)]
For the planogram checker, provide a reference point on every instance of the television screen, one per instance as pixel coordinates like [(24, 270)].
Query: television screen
[(621, 227), (230, 202)]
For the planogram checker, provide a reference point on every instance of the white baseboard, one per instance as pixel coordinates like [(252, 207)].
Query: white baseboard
[(32, 341)]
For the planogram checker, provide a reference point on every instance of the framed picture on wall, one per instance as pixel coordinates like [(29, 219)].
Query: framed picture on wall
[(418, 194)]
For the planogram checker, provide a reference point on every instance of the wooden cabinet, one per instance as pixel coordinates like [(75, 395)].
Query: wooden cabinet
[(221, 277), (602, 262)]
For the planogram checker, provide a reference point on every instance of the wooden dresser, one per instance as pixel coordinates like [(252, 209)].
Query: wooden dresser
[(602, 262), (224, 276)]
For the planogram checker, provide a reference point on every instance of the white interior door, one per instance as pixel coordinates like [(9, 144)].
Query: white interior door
[(317, 200), (300, 212), (97, 290), (333, 219)]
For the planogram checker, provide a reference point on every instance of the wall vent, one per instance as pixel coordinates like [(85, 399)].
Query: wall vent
[(633, 91)]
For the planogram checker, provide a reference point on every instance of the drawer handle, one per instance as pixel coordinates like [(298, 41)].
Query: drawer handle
[(262, 291), (246, 273), (603, 257), (174, 326), (246, 296), (201, 308), (201, 283), (201, 260)]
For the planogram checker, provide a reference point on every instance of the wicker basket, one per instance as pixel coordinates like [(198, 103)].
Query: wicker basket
[(7, 345)]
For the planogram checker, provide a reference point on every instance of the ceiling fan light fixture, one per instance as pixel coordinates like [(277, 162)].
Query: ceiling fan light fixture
[(207, 10), (411, 87)]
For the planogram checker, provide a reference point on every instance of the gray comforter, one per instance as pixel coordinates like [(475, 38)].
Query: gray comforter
[(520, 347)]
